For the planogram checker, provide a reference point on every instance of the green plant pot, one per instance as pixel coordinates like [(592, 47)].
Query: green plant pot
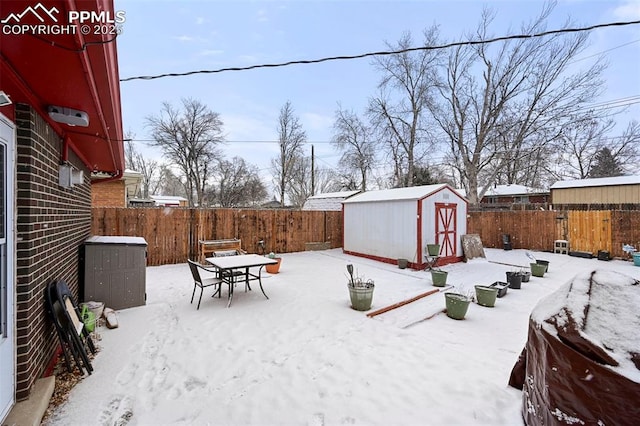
[(361, 298), (433, 249), (636, 259), (402, 263), (543, 262), (486, 296), (439, 278), (457, 305), (538, 270)]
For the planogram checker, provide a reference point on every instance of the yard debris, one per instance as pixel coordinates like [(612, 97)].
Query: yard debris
[(112, 319)]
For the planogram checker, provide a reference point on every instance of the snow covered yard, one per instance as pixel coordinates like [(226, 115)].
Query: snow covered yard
[(304, 357)]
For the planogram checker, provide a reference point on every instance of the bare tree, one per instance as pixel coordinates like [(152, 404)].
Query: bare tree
[(299, 188), (581, 139), (355, 139), (518, 104), (147, 167), (168, 183), (189, 136), (238, 184), (400, 110), (625, 149), (291, 138)]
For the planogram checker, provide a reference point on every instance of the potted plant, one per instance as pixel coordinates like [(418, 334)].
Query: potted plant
[(502, 288), (525, 275), (274, 268), (486, 295), (514, 278), (537, 269), (457, 303), (433, 249), (438, 277), (360, 291)]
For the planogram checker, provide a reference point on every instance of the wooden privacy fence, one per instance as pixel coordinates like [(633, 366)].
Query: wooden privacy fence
[(172, 234), (588, 231)]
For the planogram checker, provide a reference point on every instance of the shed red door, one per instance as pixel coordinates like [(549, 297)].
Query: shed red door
[(446, 229)]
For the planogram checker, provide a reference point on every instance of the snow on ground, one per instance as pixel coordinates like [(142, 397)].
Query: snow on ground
[(303, 357)]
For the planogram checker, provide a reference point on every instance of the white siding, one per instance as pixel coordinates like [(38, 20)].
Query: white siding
[(386, 229), (429, 217)]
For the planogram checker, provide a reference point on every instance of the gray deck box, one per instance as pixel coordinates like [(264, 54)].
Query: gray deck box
[(115, 271)]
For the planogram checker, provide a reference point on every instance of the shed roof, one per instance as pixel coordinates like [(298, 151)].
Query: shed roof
[(396, 194), (607, 181)]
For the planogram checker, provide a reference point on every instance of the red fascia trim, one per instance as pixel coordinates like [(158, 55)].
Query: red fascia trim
[(451, 259), (447, 187), (86, 66), (411, 265), (419, 236), (343, 226), (441, 261)]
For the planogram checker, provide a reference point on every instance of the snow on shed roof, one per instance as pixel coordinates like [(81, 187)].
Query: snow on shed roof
[(607, 181), (513, 189), (410, 193)]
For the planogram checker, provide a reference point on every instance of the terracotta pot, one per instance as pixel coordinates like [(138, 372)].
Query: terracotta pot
[(275, 268)]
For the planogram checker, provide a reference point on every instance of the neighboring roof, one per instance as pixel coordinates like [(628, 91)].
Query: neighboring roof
[(132, 173), (167, 199), (607, 181), (340, 194), (410, 193), (513, 189), (331, 201)]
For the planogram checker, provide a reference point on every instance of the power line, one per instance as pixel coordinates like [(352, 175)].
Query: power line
[(604, 51), (387, 52)]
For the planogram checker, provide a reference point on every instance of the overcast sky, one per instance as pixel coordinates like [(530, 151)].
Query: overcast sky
[(180, 36)]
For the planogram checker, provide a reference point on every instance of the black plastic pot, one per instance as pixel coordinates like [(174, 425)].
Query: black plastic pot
[(515, 280), (501, 286)]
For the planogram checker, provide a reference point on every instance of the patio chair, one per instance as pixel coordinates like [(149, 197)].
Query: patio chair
[(198, 281), (74, 337)]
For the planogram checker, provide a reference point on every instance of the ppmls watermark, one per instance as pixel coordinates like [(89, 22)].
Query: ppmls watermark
[(52, 22)]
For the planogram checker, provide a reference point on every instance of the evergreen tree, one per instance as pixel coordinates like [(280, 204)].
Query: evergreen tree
[(605, 165)]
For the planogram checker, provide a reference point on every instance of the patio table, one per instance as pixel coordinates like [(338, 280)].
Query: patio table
[(228, 264)]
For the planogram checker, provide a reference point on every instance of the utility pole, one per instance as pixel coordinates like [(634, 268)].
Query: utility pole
[(313, 173)]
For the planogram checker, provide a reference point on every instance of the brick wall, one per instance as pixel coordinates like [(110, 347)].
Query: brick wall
[(108, 194), (52, 222)]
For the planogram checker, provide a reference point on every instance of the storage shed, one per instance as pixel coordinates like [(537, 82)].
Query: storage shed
[(609, 190), (393, 224)]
